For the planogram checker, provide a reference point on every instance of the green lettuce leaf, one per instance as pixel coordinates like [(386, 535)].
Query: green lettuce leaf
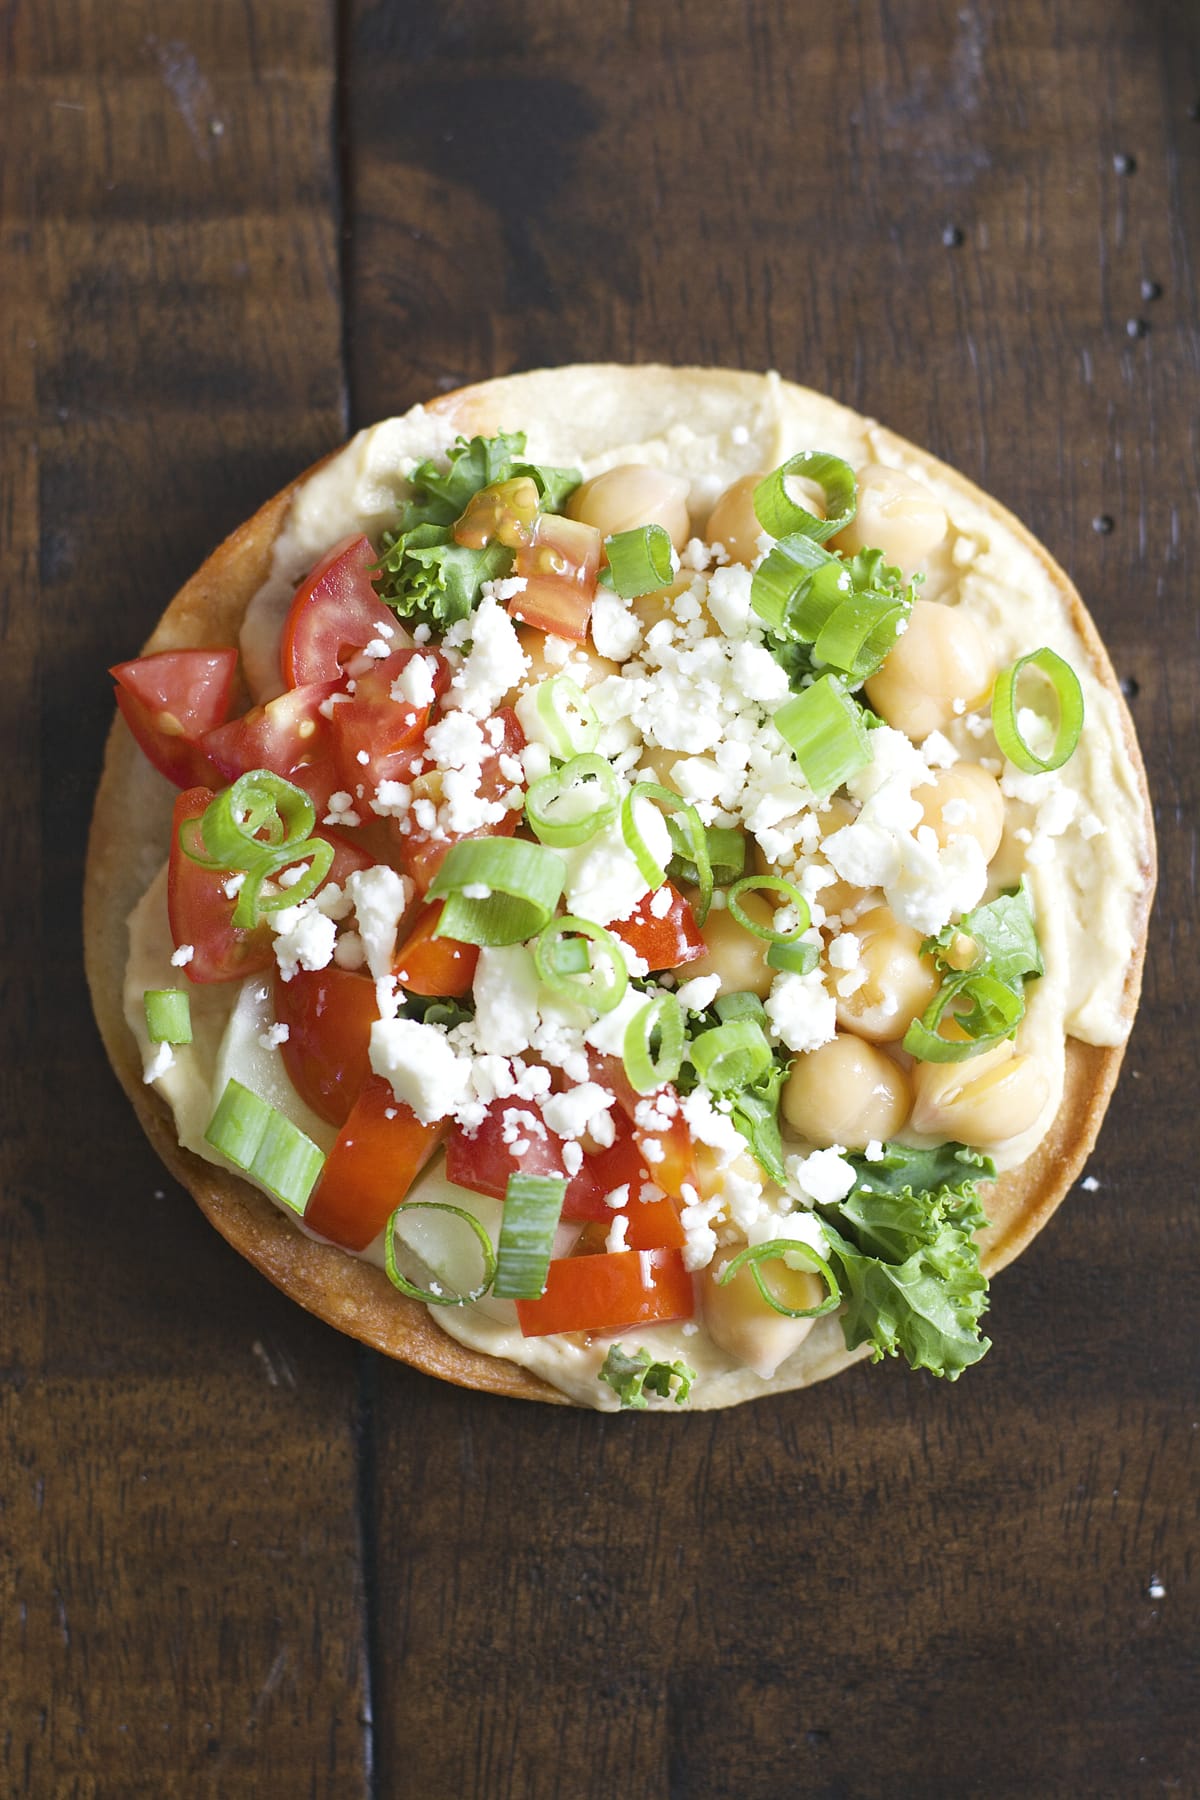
[(630, 1376), (756, 1115)]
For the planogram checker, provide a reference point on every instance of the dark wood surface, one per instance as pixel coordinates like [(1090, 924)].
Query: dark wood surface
[(237, 1555)]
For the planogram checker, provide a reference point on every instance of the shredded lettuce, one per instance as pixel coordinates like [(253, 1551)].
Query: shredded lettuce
[(903, 1245), (986, 1001), (630, 1376), (422, 573)]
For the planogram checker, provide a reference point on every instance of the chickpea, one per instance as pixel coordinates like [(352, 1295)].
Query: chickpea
[(583, 666), (656, 764), (733, 522), (847, 1092), (900, 981), (735, 954), (942, 657), (660, 602), (634, 494), (983, 1101), (839, 895), (968, 790), (896, 515), (742, 1323)]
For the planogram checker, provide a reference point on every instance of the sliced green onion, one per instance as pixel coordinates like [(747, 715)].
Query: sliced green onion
[(794, 959), (168, 1015), (431, 1296), (742, 1005), (606, 984), (731, 1056), (532, 1208), (781, 516), (645, 1070), (641, 560), (776, 885), (724, 844), (570, 956), (824, 728), (567, 715), (995, 1012), (798, 573), (524, 882), (779, 1250), (1068, 694), (255, 1137), (689, 823), (553, 802), (245, 824), (859, 633), (318, 853)]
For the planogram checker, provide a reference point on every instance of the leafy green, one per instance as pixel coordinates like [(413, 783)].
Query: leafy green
[(422, 573), (903, 1244), (1004, 932), (988, 999), (629, 1377), (842, 613), (755, 1112)]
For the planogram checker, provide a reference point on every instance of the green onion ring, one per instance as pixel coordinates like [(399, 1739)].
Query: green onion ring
[(168, 1015), (731, 1056), (257, 802), (824, 729), (781, 516), (602, 992), (317, 852), (425, 1295), (641, 560), (1069, 696), (793, 959), (776, 1251), (996, 1011), (524, 881), (567, 715), (689, 818), (550, 790), (532, 1208), (778, 885), (645, 1071)]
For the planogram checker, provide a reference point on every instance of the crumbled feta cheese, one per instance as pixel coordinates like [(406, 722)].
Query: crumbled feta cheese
[(348, 952), (938, 751), (423, 1068), (506, 1000), (603, 881), (341, 809), (802, 1014), (844, 951), (615, 1241), (697, 1220), (413, 686), (273, 1036), (392, 799), (698, 993), (579, 1109), (616, 628), (159, 1061), (824, 1177), (305, 938), (233, 887), (874, 1151), (183, 956), (380, 897), (495, 662)]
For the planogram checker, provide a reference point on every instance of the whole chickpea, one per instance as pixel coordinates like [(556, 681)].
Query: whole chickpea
[(896, 515), (965, 800), (941, 658), (983, 1101), (733, 522), (630, 495), (735, 954), (846, 1092), (744, 1325), (900, 981)]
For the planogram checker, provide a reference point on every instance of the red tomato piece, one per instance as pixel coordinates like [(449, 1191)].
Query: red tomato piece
[(170, 700), (329, 1014), (559, 569), (432, 965), (423, 852), (653, 1223), (667, 942), (380, 1150), (289, 735), (335, 614), (389, 733), (672, 1158), (201, 913), (610, 1293), (484, 1159)]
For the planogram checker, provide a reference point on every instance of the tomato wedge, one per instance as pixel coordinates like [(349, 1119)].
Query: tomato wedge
[(507, 1142), (335, 614), (652, 1224), (432, 965), (422, 852), (559, 570), (289, 735), (380, 1150), (170, 700), (610, 1293), (329, 1014), (672, 1157), (667, 941), (201, 913), (388, 733)]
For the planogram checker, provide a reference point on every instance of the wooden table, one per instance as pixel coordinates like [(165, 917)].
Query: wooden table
[(238, 1556)]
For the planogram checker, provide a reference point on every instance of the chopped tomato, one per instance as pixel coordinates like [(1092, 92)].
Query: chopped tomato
[(289, 736), (389, 733), (671, 1158), (559, 570), (666, 940), (335, 614), (170, 700), (380, 1150), (201, 913), (435, 965), (653, 1223), (422, 852), (329, 1014), (510, 1140), (610, 1293)]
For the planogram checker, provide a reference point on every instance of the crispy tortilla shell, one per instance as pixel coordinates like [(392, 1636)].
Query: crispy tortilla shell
[(127, 840)]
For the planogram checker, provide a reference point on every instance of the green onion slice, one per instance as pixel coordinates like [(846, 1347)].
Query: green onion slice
[(859, 633), (557, 963), (245, 824), (662, 1016), (781, 516), (731, 1056), (430, 1296), (689, 823), (1069, 696), (567, 715), (824, 729), (794, 959), (532, 1207), (779, 1250), (318, 853), (264, 1143), (525, 882), (775, 884), (641, 560), (995, 1011), (725, 846), (797, 585), (168, 1015), (573, 803)]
